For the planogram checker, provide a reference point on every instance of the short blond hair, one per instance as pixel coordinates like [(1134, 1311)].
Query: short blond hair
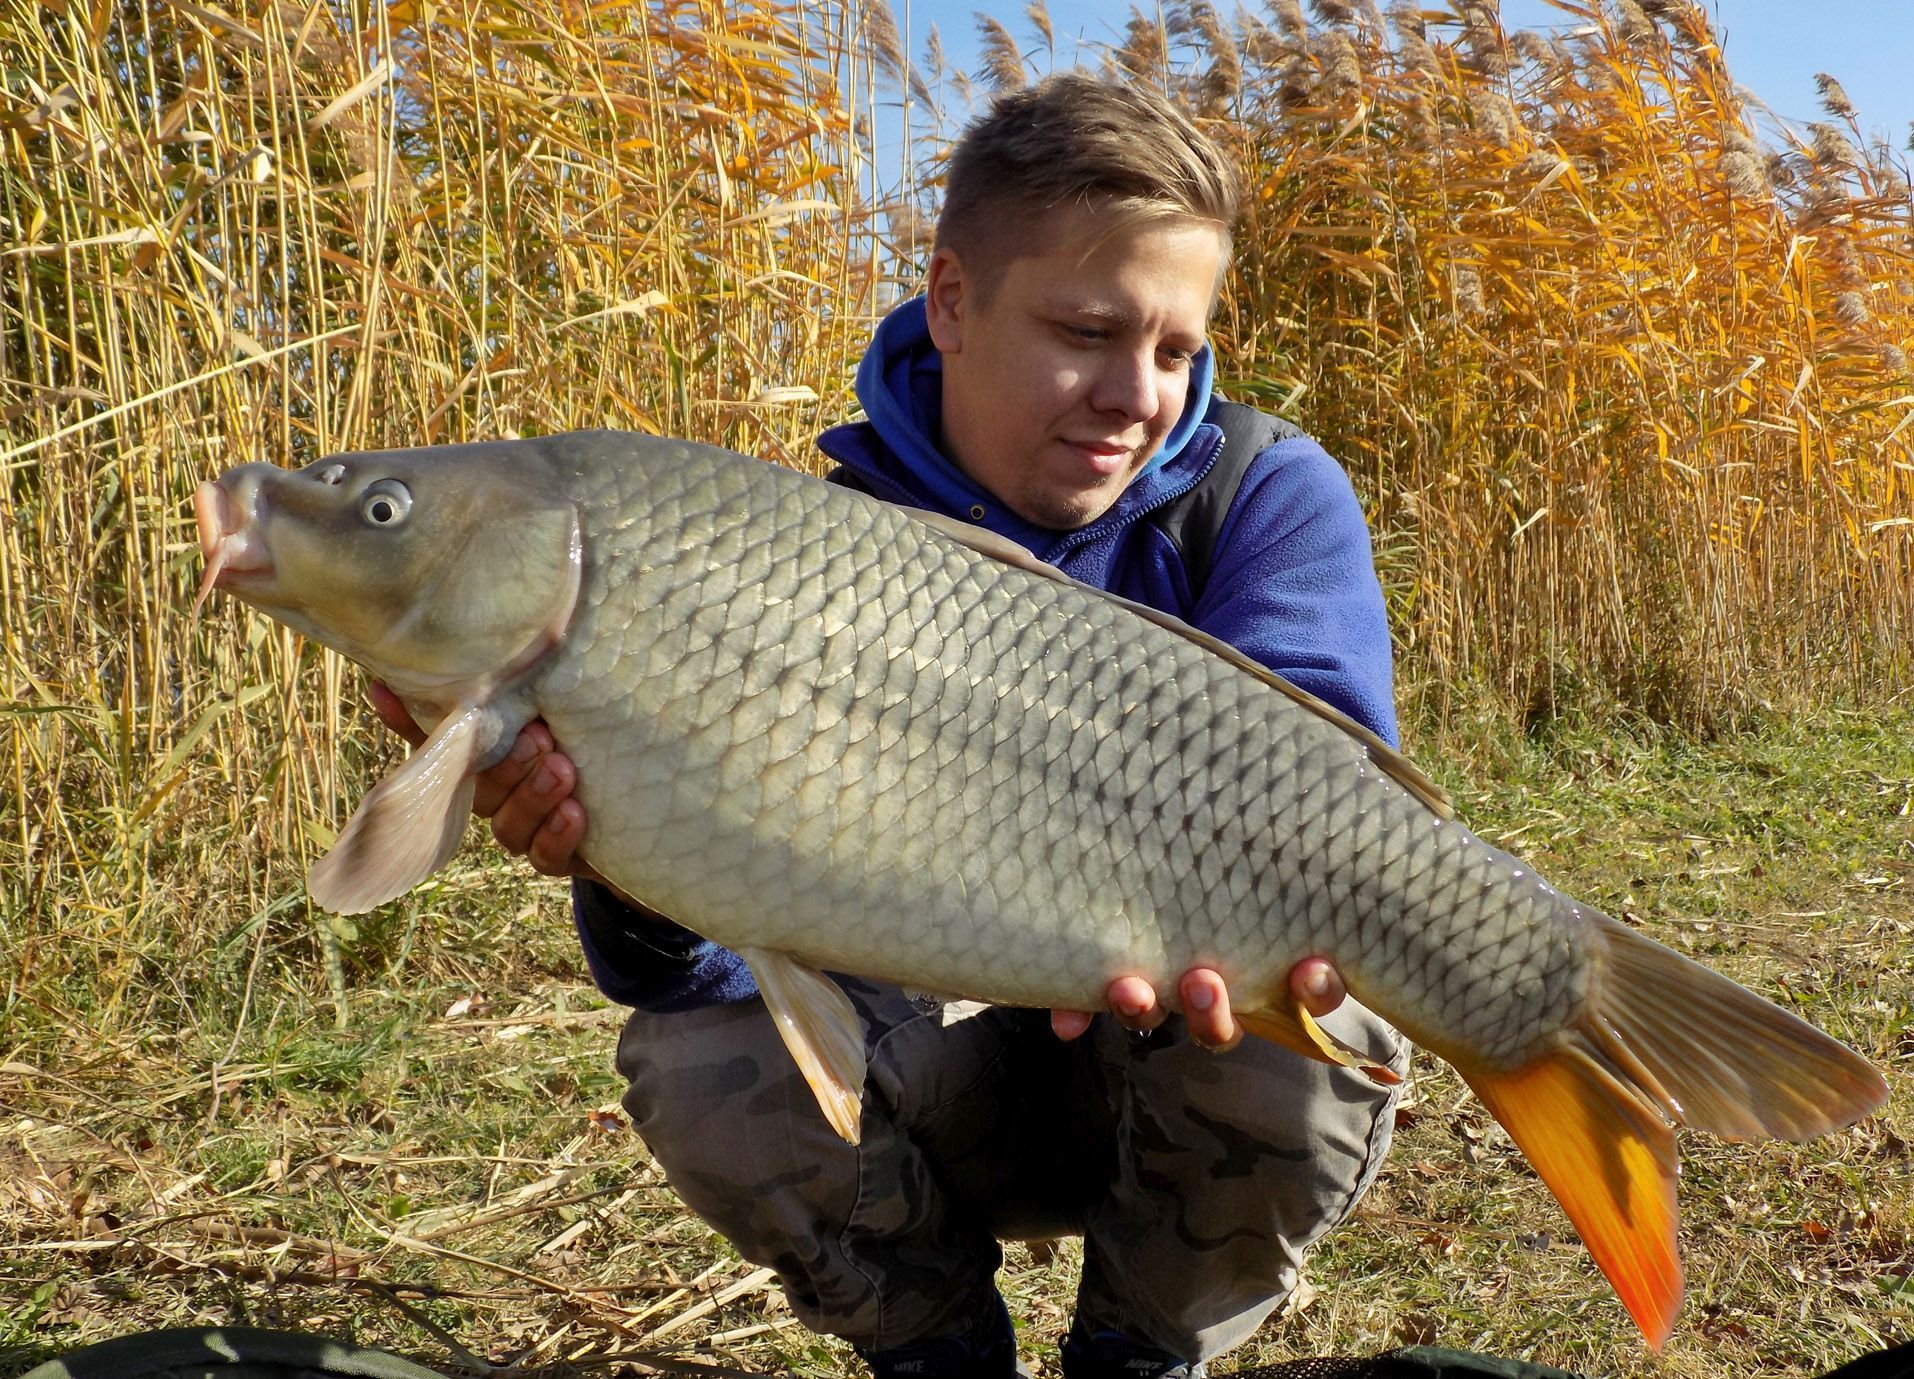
[(1074, 139)]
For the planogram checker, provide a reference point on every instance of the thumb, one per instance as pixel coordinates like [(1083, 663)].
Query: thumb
[(393, 713)]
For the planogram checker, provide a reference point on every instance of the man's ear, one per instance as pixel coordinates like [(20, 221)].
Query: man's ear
[(947, 294)]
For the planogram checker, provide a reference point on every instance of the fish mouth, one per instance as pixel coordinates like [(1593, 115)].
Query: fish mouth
[(229, 541)]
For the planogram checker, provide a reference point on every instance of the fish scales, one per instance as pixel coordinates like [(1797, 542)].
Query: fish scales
[(834, 736), (1017, 796)]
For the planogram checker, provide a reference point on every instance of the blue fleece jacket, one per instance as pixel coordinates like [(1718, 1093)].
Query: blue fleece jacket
[(1292, 583)]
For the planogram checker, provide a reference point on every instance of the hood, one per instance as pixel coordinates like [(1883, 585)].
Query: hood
[(900, 384)]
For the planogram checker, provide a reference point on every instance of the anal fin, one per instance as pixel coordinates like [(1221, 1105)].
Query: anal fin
[(1609, 1158), (408, 825), (820, 1027), (1288, 1023)]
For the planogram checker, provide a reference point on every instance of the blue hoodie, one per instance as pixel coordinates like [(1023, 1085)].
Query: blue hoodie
[(1292, 583)]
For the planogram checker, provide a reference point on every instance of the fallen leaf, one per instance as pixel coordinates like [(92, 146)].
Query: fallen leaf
[(1418, 1328), (1299, 1299)]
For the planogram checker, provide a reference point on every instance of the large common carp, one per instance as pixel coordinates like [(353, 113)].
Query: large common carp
[(835, 735)]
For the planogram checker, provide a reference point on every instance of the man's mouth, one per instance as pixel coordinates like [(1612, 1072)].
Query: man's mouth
[(229, 540), (1105, 457)]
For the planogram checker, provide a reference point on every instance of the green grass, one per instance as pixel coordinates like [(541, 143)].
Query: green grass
[(461, 1188), (1780, 856)]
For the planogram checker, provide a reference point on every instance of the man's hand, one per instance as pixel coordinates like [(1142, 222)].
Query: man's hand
[(527, 796), (1315, 983)]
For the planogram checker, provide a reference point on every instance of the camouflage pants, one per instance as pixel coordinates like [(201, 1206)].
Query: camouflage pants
[(1196, 1179)]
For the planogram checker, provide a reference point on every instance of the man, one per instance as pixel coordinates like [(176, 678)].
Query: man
[(1054, 385)]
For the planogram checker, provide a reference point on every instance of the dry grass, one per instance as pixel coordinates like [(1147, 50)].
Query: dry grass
[(1628, 395), (452, 1179)]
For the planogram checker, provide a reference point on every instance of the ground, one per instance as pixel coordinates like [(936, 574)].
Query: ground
[(442, 1167)]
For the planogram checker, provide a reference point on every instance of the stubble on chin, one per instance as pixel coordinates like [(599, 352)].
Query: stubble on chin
[(1066, 513)]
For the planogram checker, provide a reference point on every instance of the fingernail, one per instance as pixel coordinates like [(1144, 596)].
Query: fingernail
[(524, 749), (546, 780), (1199, 997), (1129, 1010), (1316, 982)]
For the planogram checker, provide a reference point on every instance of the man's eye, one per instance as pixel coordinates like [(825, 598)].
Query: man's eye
[(1089, 334)]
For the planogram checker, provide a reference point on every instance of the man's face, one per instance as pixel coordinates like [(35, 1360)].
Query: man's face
[(1061, 386)]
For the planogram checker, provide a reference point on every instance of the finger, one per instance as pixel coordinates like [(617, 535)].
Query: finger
[(497, 782), (392, 712), (1133, 1001), (520, 816), (1206, 1010), (555, 845), (1069, 1024), (1317, 984)]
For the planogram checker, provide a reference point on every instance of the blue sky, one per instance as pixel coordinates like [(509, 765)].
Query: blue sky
[(1773, 47)]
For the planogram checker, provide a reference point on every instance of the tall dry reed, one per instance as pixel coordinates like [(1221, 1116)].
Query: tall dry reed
[(1629, 396), (1627, 392), (262, 234)]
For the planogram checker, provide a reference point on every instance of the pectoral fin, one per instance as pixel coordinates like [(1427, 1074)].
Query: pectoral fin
[(820, 1028), (408, 825), (1289, 1024)]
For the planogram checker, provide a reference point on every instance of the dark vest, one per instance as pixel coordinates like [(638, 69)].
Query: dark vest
[(1193, 520)]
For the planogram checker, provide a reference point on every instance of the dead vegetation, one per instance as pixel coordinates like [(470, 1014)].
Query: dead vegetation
[(1626, 390), (452, 1177)]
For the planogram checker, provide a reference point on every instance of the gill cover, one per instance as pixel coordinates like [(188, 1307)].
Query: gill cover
[(463, 565), (432, 568)]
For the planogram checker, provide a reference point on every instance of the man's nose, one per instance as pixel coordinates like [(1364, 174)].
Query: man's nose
[(1126, 385)]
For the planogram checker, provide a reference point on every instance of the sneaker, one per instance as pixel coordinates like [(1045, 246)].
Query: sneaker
[(1112, 1355), (987, 1349)]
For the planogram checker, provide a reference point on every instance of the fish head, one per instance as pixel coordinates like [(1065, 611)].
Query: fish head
[(434, 568)]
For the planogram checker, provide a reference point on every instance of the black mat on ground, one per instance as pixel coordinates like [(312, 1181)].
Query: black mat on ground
[(1416, 1362)]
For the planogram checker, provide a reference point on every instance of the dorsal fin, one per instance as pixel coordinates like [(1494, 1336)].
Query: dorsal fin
[(1389, 760)]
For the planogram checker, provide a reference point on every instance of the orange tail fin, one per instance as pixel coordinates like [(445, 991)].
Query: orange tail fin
[(1664, 1039), (1610, 1161)]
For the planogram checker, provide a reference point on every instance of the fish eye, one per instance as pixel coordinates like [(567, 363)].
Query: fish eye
[(385, 503), (332, 474)]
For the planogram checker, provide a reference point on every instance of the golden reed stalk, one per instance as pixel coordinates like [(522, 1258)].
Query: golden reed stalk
[(252, 233), (1627, 394)]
